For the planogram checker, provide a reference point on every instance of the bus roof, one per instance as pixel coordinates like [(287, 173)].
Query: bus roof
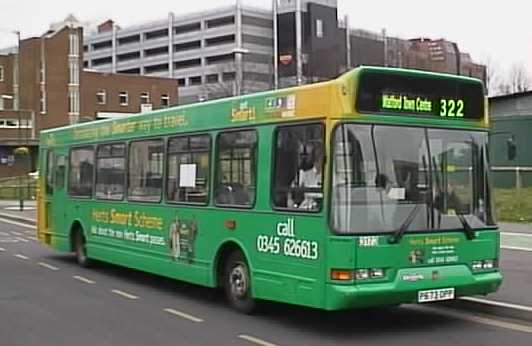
[(331, 99)]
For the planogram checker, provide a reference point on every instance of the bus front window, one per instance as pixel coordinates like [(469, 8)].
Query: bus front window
[(386, 175)]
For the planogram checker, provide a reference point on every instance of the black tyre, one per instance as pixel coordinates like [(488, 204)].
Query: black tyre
[(81, 249), (237, 283)]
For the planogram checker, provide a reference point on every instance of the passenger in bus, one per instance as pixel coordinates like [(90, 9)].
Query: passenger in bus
[(305, 192)]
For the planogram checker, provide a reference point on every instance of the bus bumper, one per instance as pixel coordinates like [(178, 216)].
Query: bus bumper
[(401, 290)]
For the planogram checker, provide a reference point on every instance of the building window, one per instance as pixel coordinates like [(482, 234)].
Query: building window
[(236, 170), (165, 100), (145, 177), (145, 98), (110, 171), (43, 99), (15, 124), (188, 169), (298, 168), (212, 78), (181, 82), (196, 80), (319, 28), (42, 73), (1, 73), (1, 103), (74, 72), (73, 44), (73, 102), (101, 98), (81, 172), (229, 76), (123, 98)]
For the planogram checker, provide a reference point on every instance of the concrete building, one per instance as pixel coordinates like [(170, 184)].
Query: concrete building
[(214, 53), (229, 50), (511, 117), (43, 85)]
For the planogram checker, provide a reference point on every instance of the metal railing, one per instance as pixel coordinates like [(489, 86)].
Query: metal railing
[(520, 175)]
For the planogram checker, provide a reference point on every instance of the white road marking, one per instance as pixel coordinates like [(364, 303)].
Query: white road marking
[(33, 238), (21, 256), (82, 279), (516, 248), (466, 316), (497, 303), (2, 249), (23, 240), (46, 265), (17, 223), (517, 234), (125, 294), (255, 340), (184, 315), (16, 233)]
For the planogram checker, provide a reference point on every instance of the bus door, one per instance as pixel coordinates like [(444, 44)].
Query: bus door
[(58, 193), (293, 244), (45, 197)]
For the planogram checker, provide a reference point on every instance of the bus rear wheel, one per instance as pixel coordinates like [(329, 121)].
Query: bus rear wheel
[(237, 283), (80, 249)]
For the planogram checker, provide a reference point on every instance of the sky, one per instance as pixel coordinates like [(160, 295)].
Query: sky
[(490, 30)]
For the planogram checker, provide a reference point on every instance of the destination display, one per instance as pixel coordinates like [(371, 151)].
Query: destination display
[(431, 96)]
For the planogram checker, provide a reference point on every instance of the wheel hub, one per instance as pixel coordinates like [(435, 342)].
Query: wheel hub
[(238, 281)]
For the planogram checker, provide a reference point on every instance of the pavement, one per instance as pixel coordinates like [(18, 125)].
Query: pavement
[(11, 210)]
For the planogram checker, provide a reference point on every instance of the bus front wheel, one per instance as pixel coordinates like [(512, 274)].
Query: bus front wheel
[(81, 250), (237, 283)]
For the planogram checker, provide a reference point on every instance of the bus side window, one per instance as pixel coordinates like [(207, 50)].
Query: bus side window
[(81, 172), (145, 177), (110, 171), (50, 172), (236, 171), (60, 169), (188, 169), (298, 171)]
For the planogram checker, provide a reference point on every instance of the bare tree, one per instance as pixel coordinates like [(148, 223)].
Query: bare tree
[(492, 75), (519, 79)]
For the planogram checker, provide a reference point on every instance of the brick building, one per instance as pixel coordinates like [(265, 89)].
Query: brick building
[(43, 85)]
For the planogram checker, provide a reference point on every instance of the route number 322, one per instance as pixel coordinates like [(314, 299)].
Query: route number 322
[(451, 108)]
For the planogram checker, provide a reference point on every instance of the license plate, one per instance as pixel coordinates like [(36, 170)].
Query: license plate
[(435, 295)]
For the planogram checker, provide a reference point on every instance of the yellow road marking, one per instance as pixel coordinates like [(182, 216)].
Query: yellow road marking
[(21, 256), (184, 315), (255, 340), (46, 265), (82, 279), (125, 294)]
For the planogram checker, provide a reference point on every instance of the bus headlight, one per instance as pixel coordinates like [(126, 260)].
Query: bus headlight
[(376, 273), (361, 274), (488, 264)]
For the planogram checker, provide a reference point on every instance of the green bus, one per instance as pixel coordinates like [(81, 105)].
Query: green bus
[(371, 189)]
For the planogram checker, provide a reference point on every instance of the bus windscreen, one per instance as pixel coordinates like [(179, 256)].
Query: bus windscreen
[(411, 94)]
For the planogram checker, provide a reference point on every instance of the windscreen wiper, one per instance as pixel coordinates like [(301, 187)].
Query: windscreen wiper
[(396, 237), (468, 230)]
